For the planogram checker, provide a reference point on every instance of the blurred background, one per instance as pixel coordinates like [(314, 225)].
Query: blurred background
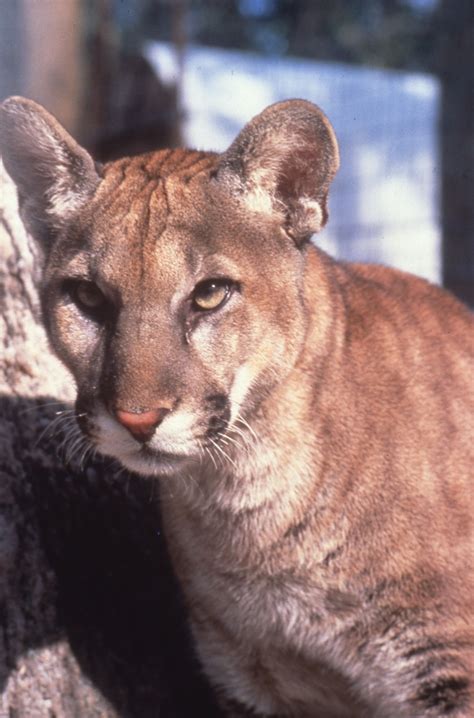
[(395, 77)]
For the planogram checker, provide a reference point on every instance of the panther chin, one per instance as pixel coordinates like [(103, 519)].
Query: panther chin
[(151, 462)]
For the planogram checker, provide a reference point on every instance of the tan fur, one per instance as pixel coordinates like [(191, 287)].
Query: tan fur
[(322, 528)]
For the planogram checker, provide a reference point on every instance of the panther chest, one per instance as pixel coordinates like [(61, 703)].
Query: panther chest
[(269, 643)]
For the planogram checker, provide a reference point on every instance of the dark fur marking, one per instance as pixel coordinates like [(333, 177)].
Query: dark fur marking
[(113, 195), (448, 693), (216, 425), (167, 203), (218, 401), (297, 529), (162, 183), (335, 553), (183, 164), (437, 664), (164, 158), (432, 645), (341, 602), (197, 163), (144, 169), (218, 422), (380, 588)]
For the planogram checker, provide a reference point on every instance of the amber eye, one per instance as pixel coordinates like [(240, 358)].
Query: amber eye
[(210, 294), (88, 296)]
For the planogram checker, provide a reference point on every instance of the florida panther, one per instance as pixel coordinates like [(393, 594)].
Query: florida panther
[(311, 421)]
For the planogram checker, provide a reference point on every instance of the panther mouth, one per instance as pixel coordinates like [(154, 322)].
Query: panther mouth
[(179, 441)]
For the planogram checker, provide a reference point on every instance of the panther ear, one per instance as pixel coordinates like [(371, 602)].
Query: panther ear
[(283, 162), (53, 174)]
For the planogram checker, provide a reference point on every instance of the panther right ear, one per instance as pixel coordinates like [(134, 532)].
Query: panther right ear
[(53, 174), (282, 163)]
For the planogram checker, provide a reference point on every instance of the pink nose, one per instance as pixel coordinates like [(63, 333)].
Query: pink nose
[(141, 425)]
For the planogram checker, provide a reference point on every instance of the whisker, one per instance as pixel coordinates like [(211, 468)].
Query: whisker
[(209, 453), (223, 453), (87, 454), (187, 483), (119, 472), (247, 426), (192, 479), (38, 407), (68, 437), (200, 452), (75, 447), (233, 441), (248, 440), (54, 425)]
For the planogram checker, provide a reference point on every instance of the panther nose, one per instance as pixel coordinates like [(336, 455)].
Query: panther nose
[(141, 424)]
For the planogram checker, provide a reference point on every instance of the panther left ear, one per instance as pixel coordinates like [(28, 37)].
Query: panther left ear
[(53, 174), (283, 162)]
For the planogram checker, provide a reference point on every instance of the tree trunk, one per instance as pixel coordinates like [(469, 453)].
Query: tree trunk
[(456, 67), (52, 57), (91, 619)]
